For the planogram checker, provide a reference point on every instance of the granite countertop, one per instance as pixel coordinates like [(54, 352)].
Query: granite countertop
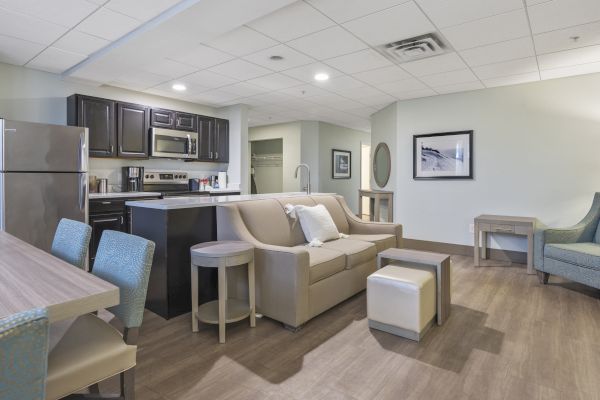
[(224, 190), (194, 202), (114, 195)]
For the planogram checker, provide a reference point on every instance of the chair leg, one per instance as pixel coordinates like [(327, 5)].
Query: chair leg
[(128, 384), (543, 277)]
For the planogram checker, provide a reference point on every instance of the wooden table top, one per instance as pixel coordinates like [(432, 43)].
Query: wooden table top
[(416, 256), (506, 218), (31, 278), (222, 248)]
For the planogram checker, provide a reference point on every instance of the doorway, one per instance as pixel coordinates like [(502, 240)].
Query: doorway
[(365, 177), (266, 166)]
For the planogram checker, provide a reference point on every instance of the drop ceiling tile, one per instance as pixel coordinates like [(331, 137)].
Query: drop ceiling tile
[(345, 105), (306, 73), (415, 94), (275, 81), (459, 87), (304, 91), (513, 67), (558, 14), (297, 19), (273, 97), (142, 79), (405, 85), (79, 42), (449, 78), (108, 24), (364, 112), (588, 35), (55, 60), (567, 58), (400, 22), (66, 13), (345, 10), (339, 83), (203, 56), (445, 13), (331, 42), (497, 52), (191, 89), (357, 93), (377, 101), (17, 51), (252, 101), (216, 96), (507, 26), (243, 89), (582, 69), (240, 70), (291, 58), (170, 68), (382, 75), (142, 10), (363, 60), (242, 41), (209, 79), (512, 80), (433, 65), (28, 28)]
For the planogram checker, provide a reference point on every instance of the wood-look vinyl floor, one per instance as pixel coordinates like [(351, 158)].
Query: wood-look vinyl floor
[(508, 337)]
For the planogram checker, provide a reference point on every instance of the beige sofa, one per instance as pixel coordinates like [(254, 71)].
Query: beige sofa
[(294, 282)]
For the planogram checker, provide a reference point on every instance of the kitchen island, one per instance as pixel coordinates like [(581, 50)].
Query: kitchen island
[(176, 224)]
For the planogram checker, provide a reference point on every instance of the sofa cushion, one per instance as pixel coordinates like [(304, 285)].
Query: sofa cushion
[(382, 241), (586, 255), (267, 222), (337, 212), (323, 263), (357, 252), (294, 223)]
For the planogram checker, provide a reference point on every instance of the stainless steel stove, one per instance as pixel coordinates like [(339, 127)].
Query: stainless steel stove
[(170, 184)]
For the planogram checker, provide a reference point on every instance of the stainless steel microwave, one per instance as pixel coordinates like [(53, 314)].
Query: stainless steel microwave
[(168, 143)]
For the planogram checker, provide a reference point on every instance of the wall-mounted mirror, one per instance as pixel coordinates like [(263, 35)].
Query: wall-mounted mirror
[(381, 164)]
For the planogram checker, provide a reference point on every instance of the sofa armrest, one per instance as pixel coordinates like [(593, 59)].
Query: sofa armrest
[(358, 226), (281, 273)]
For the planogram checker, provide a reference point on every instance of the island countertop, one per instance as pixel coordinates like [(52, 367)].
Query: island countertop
[(194, 202)]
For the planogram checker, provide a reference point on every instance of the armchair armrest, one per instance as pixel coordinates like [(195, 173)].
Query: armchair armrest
[(543, 235)]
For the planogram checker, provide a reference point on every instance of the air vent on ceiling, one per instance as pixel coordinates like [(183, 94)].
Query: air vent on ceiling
[(412, 49)]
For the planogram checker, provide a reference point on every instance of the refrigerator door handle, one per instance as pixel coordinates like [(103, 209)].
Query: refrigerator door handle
[(83, 189), (83, 151)]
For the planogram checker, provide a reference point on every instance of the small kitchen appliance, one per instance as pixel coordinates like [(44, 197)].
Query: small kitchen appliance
[(170, 184), (133, 179)]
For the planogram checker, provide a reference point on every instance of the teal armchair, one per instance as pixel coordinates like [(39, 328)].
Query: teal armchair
[(572, 253)]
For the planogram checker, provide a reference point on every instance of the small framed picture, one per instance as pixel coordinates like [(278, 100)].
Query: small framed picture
[(443, 155), (341, 164)]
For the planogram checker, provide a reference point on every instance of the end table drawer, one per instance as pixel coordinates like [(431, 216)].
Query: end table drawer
[(503, 228)]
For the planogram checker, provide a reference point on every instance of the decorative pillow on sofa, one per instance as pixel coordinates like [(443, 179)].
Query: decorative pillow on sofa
[(316, 223)]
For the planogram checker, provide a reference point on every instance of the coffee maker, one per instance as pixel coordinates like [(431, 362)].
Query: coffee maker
[(133, 179)]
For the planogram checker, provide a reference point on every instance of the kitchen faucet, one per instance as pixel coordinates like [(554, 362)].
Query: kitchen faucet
[(308, 171)]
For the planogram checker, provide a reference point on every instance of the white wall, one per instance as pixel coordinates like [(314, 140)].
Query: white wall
[(238, 146), (383, 129), (535, 154)]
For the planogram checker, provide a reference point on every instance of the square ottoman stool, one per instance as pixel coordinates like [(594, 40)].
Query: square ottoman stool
[(401, 301)]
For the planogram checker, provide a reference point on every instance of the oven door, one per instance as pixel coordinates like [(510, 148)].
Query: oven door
[(167, 143)]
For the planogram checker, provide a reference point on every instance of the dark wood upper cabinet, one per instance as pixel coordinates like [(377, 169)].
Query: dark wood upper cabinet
[(222, 140), (98, 115), (186, 122), (132, 130), (162, 118), (206, 129)]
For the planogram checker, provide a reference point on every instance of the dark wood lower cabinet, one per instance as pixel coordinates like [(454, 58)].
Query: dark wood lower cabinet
[(100, 223)]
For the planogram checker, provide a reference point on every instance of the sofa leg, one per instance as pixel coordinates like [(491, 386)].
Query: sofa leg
[(293, 329), (543, 277)]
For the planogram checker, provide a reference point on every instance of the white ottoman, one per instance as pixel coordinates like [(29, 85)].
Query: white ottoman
[(401, 301)]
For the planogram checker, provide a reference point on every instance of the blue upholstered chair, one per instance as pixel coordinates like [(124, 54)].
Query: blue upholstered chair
[(71, 242), (23, 355), (573, 253), (93, 350)]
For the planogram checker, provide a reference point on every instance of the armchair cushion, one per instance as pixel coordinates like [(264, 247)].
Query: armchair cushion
[(323, 263), (356, 251), (382, 241), (586, 255)]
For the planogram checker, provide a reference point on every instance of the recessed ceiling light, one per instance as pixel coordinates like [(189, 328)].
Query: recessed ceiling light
[(321, 76), (179, 87)]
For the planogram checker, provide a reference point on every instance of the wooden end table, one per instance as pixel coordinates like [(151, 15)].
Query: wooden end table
[(222, 255), (484, 224), (375, 197), (439, 263)]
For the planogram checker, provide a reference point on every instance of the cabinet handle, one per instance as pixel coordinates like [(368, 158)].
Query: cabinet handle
[(112, 149), (122, 220), (216, 154), (211, 155), (106, 202), (106, 220)]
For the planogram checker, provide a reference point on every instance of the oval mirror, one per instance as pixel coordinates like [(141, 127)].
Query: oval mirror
[(381, 164)]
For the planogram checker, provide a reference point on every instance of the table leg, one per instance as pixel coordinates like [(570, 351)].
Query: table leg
[(390, 208), (194, 298), (222, 302), (251, 294), (484, 241), (376, 216), (476, 244), (530, 269), (443, 291), (360, 210)]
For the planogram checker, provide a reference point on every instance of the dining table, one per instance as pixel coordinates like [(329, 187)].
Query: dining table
[(32, 278)]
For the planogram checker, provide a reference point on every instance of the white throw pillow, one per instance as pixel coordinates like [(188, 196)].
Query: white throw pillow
[(316, 223)]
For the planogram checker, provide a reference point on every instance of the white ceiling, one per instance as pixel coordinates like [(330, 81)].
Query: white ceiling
[(220, 49)]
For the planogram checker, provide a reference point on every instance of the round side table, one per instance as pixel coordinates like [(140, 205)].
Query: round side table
[(222, 255)]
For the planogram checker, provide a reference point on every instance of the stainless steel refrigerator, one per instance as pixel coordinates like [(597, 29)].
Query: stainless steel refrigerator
[(43, 178)]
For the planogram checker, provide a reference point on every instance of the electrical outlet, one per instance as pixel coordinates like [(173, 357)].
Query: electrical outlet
[(471, 228)]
